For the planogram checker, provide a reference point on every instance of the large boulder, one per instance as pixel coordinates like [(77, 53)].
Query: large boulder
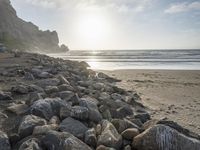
[(109, 136), (74, 127), (28, 123), (162, 137), (4, 141), (63, 141), (47, 108)]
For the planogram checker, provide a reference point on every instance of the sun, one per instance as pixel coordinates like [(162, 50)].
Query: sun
[(93, 29)]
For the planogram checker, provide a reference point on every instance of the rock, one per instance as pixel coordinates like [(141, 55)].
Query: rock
[(171, 124), (47, 108), (79, 112), (90, 138), (63, 141), (20, 89), (116, 96), (34, 97), (128, 147), (63, 80), (161, 137), (98, 129), (35, 88), (66, 95), (48, 82), (29, 76), (130, 133), (30, 144), (65, 112), (51, 89), (28, 123), (98, 86), (125, 111), (122, 125), (109, 136), (104, 96), (74, 127), (143, 117), (41, 130), (4, 96), (91, 104), (102, 147), (44, 75), (65, 87), (4, 141), (64, 48), (54, 120), (18, 108)]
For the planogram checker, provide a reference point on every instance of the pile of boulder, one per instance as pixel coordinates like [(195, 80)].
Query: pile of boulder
[(56, 104)]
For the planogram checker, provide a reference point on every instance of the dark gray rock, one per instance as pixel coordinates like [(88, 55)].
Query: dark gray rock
[(28, 123), (63, 80), (48, 82), (161, 137), (47, 108), (65, 112), (143, 117), (90, 138), (29, 76), (4, 96), (30, 144), (122, 125), (4, 141), (51, 89), (63, 141), (130, 133), (20, 89), (109, 136), (66, 95), (65, 87), (74, 127), (79, 112), (42, 130), (91, 104)]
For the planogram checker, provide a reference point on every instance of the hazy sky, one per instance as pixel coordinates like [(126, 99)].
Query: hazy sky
[(117, 24)]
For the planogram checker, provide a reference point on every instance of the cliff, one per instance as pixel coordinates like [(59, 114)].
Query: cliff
[(17, 33)]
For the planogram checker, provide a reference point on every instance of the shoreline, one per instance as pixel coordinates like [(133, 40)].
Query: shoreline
[(46, 101), (167, 93)]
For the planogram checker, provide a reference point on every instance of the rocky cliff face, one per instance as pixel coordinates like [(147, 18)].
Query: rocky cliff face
[(17, 33)]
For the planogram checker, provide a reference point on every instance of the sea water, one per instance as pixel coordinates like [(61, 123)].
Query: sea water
[(136, 59)]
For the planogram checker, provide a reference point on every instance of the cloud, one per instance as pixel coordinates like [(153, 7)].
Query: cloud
[(183, 7), (119, 5)]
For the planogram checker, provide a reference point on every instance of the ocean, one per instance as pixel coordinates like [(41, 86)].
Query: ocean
[(136, 59)]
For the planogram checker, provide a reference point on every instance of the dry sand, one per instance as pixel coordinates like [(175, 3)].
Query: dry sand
[(171, 94)]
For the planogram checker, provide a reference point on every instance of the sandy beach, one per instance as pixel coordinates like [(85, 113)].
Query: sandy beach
[(171, 94)]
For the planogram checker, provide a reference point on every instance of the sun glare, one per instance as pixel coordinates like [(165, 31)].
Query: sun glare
[(93, 29)]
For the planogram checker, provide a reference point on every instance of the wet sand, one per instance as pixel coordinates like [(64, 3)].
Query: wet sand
[(167, 93)]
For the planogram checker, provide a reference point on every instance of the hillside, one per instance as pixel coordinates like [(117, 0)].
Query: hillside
[(17, 33)]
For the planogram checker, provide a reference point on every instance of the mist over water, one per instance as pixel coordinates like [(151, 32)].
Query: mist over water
[(136, 59)]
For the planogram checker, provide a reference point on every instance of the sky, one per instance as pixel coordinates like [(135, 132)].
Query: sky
[(117, 24)]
